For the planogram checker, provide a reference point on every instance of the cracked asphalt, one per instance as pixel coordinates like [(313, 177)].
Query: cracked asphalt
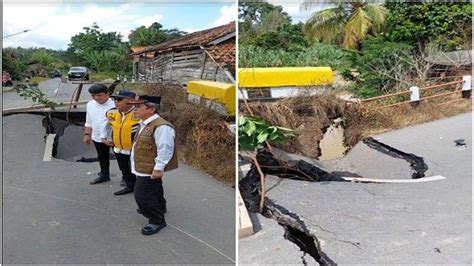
[(52, 215), (367, 223), (11, 99)]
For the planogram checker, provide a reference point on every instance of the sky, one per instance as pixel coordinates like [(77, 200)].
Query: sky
[(52, 25), (292, 7)]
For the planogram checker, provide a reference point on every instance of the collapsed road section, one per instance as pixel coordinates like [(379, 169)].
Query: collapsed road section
[(67, 128), (295, 228)]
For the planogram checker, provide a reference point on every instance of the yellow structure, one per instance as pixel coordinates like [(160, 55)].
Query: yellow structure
[(223, 93), (284, 77)]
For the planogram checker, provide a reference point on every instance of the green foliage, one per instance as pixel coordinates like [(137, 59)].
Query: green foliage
[(446, 24), (347, 24), (37, 96), (255, 11), (153, 35), (253, 132), (297, 56), (378, 64), (34, 81), (101, 51), (42, 57), (259, 17), (101, 76), (285, 37), (12, 63)]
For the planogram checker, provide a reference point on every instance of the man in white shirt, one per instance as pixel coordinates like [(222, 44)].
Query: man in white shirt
[(153, 153), (95, 119)]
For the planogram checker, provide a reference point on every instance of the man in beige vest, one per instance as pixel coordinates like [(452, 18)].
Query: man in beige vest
[(153, 153)]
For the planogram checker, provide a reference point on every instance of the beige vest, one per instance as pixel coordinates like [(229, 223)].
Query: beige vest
[(145, 148)]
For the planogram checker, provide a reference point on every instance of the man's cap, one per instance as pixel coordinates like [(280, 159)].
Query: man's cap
[(123, 94), (146, 99), (98, 88)]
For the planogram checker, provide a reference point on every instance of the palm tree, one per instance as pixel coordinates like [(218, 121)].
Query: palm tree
[(353, 20)]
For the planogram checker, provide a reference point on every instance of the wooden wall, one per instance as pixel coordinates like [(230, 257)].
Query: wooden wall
[(180, 66)]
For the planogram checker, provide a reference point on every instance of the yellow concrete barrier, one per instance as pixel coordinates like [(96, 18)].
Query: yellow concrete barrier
[(223, 93), (284, 76)]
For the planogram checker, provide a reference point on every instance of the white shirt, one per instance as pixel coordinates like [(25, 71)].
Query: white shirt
[(95, 117), (164, 140)]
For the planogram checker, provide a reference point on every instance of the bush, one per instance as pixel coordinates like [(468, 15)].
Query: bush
[(295, 56), (101, 76), (379, 67)]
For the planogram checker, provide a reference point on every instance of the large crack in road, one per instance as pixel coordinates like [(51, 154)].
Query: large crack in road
[(295, 228), (416, 163)]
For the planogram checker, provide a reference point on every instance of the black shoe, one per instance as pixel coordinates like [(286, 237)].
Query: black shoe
[(100, 180), (140, 211), (99, 174), (151, 229), (123, 183), (124, 191)]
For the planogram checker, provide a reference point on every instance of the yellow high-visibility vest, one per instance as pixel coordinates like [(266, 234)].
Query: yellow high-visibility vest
[(122, 130)]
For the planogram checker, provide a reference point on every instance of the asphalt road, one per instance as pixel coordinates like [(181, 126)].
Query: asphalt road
[(52, 215), (427, 223), (54, 90)]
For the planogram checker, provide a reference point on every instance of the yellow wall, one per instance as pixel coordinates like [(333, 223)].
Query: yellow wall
[(220, 92), (284, 76)]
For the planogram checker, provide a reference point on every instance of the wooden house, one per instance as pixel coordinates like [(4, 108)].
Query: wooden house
[(201, 55)]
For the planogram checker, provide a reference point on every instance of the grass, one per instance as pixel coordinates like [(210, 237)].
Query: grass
[(34, 81), (203, 140), (101, 76), (310, 117), (317, 55)]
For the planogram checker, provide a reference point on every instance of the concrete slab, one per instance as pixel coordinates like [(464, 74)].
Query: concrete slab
[(52, 214)]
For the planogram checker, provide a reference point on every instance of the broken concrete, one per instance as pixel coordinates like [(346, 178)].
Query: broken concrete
[(52, 214), (427, 223)]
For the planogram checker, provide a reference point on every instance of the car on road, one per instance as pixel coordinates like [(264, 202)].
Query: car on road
[(80, 73), (6, 79)]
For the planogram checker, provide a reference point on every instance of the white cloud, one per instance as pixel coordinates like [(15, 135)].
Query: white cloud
[(148, 20), (293, 9), (227, 14), (53, 27)]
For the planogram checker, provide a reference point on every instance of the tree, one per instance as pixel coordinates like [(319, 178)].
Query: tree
[(255, 10), (448, 25), (101, 51), (353, 21), (259, 17), (12, 63), (285, 37), (93, 39), (155, 34)]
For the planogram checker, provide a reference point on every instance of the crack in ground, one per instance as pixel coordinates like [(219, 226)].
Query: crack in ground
[(296, 232), (417, 163)]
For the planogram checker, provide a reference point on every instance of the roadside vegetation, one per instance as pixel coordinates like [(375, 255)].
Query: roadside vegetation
[(375, 48), (311, 116), (105, 54)]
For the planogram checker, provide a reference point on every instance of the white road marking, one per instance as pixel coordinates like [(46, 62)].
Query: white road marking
[(48, 148), (419, 180)]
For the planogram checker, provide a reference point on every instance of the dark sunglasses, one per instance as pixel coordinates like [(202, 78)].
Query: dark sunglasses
[(118, 99)]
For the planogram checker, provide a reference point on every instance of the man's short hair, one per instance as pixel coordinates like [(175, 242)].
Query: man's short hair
[(153, 105), (98, 88)]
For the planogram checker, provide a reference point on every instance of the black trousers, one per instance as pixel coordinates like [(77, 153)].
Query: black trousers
[(123, 161), (150, 199), (103, 156)]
